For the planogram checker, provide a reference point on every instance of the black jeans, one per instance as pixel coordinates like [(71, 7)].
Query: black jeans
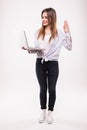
[(47, 75)]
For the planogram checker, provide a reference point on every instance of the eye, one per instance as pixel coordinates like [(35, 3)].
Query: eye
[(44, 17)]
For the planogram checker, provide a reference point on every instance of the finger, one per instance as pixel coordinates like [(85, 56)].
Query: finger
[(24, 48), (65, 22)]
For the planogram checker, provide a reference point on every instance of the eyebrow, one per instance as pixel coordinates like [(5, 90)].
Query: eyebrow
[(45, 17)]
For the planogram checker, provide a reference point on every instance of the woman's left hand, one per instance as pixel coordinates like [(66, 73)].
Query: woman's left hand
[(66, 27)]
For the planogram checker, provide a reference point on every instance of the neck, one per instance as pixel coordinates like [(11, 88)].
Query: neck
[(47, 30)]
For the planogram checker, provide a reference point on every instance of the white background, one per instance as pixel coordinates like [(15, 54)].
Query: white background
[(19, 89)]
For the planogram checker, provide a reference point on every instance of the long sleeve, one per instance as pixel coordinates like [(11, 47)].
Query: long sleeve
[(67, 41)]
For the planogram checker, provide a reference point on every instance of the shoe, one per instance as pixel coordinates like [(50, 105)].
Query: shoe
[(49, 117), (43, 116)]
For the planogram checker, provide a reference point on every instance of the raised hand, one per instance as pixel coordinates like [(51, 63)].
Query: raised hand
[(66, 26)]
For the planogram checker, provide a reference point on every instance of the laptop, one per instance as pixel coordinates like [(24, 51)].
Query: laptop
[(27, 47)]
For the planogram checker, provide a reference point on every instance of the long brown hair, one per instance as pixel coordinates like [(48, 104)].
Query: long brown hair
[(52, 18)]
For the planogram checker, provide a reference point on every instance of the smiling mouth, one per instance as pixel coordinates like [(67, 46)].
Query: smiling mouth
[(44, 22)]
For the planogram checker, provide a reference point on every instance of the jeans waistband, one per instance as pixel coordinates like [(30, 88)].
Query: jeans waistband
[(44, 61)]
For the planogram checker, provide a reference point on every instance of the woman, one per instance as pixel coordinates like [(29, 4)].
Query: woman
[(51, 40)]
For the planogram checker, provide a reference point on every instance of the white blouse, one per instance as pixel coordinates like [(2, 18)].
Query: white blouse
[(52, 50)]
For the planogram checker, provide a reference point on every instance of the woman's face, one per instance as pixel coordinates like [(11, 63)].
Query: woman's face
[(45, 21)]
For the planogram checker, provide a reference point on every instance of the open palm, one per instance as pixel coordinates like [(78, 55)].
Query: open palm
[(66, 27)]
